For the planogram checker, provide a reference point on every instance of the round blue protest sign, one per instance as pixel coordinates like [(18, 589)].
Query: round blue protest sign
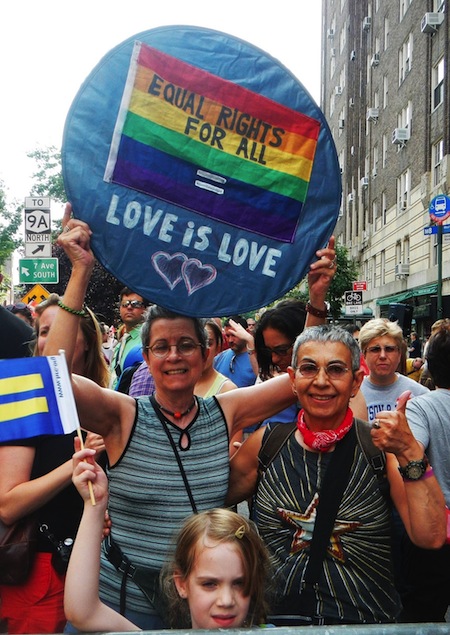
[(206, 171)]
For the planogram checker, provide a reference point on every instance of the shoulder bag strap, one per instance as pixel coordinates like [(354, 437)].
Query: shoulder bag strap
[(177, 456), (335, 480)]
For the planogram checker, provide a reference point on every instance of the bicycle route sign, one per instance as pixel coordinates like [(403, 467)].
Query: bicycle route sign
[(354, 302)]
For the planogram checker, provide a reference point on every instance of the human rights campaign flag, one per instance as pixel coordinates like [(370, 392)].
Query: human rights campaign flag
[(36, 398)]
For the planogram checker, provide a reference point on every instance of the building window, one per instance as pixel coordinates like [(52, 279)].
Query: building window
[(375, 161), (438, 6), (374, 272), (404, 59), (384, 151), (406, 250), (403, 189), (438, 154), (342, 38), (438, 84), (434, 253), (386, 33), (385, 91), (404, 6), (382, 267), (383, 208)]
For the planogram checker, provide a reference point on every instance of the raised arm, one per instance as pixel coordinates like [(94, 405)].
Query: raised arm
[(420, 503), (320, 275), (245, 406), (82, 604), (75, 240)]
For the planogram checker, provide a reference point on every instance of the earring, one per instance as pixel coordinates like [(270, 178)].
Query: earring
[(294, 390)]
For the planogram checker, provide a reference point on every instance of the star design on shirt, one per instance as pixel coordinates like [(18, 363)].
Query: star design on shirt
[(304, 525)]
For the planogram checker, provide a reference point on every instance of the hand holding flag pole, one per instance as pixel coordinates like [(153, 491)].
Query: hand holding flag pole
[(36, 399)]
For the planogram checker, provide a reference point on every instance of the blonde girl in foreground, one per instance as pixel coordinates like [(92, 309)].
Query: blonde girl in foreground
[(216, 578)]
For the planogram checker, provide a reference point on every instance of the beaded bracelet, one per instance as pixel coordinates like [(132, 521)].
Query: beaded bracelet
[(319, 313), (80, 313)]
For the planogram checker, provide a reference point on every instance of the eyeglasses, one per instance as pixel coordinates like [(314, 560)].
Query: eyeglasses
[(186, 348), (134, 304), (334, 371), (281, 351), (376, 350)]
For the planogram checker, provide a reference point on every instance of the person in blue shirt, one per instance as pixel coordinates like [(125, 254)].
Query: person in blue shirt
[(235, 362)]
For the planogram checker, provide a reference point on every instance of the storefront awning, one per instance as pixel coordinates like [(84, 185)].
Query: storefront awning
[(428, 289)]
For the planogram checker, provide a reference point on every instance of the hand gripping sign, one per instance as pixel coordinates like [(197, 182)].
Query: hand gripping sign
[(205, 170)]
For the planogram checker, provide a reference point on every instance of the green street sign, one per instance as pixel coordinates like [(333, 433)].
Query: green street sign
[(43, 270)]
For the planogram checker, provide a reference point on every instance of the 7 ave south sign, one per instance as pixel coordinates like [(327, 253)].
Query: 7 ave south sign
[(43, 270)]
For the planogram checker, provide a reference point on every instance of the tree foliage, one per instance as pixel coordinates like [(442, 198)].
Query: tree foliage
[(346, 274), (10, 221), (48, 180)]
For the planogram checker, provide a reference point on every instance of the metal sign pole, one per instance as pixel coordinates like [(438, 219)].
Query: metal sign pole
[(439, 289)]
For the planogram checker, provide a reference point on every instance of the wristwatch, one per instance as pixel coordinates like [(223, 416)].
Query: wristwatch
[(414, 470)]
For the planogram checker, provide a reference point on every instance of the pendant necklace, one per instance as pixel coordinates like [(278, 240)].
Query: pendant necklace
[(177, 414), (184, 442)]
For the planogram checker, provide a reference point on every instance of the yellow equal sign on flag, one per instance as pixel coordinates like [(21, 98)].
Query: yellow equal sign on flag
[(23, 407)]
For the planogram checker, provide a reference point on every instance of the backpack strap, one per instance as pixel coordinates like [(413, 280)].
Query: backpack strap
[(273, 442), (376, 458), (275, 439)]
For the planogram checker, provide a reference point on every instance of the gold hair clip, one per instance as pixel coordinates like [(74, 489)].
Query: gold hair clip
[(239, 533)]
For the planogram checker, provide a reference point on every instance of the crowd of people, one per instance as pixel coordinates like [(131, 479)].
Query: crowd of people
[(185, 418)]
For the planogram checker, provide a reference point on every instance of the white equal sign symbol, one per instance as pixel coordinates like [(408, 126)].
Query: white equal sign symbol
[(213, 186)]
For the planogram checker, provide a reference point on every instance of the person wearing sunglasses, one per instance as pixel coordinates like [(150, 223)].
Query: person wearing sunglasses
[(381, 342), (321, 471), (22, 311), (132, 307)]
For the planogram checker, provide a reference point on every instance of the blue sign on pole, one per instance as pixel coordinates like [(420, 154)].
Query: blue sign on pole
[(433, 229), (439, 208)]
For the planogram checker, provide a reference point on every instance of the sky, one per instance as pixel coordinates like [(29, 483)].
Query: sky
[(49, 47)]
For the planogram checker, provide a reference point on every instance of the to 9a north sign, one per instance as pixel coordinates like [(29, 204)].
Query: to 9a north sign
[(37, 227)]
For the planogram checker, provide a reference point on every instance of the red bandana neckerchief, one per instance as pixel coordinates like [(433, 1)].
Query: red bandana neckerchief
[(324, 439)]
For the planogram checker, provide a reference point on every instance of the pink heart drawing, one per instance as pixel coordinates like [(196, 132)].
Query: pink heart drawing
[(196, 275), (169, 267)]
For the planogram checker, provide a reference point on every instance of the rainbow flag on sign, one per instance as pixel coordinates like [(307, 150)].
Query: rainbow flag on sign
[(204, 143), (36, 398)]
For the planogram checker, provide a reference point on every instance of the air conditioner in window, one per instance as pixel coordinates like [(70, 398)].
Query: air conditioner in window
[(400, 135), (350, 198), (364, 181), (333, 52), (375, 59), (338, 90), (372, 114), (341, 124), (374, 173), (431, 22), (401, 269), (351, 102), (353, 56), (367, 22), (403, 205), (330, 33)]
